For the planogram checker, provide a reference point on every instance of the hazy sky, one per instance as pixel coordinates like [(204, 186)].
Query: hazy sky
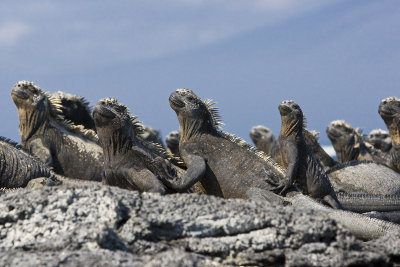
[(337, 59)]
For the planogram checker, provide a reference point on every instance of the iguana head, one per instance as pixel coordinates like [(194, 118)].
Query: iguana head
[(172, 139), (113, 120), (150, 135), (389, 109), (33, 107), (345, 140), (194, 115), (292, 118), (263, 138), (380, 139), (75, 109)]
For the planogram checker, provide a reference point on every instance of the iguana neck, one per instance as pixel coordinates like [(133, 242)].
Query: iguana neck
[(31, 123), (348, 151), (116, 144), (394, 131), (291, 129), (190, 128)]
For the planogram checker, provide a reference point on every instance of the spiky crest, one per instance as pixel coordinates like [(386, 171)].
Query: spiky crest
[(379, 131), (391, 99), (67, 96), (217, 122), (214, 111), (138, 129), (340, 123), (56, 113)]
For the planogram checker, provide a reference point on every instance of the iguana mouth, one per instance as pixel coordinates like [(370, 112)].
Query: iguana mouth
[(283, 109), (176, 102), (103, 112), (386, 111), (19, 93)]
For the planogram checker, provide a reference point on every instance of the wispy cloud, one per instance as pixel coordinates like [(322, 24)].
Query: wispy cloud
[(71, 35), (11, 32)]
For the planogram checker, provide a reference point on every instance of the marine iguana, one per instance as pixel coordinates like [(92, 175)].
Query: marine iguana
[(225, 165), (75, 109), (129, 162), (228, 167), (389, 109), (311, 139), (263, 139), (172, 142), (293, 154), (349, 144), (17, 166), (380, 139), (150, 135), (71, 150)]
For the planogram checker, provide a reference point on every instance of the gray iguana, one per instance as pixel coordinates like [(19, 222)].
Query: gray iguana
[(293, 153), (263, 139), (228, 167), (130, 162), (225, 165), (389, 109), (172, 142), (350, 146), (70, 150), (18, 167), (380, 139)]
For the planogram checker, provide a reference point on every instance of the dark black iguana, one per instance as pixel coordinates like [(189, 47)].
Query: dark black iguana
[(172, 142), (380, 139), (293, 153), (263, 139), (130, 162), (18, 167), (75, 109), (70, 150), (389, 109), (323, 157)]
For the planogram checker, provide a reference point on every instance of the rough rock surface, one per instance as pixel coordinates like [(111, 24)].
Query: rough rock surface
[(107, 226)]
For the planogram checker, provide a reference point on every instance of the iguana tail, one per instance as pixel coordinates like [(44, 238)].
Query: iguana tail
[(361, 226), (366, 202)]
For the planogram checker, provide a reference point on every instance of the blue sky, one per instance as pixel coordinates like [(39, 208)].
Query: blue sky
[(337, 59)]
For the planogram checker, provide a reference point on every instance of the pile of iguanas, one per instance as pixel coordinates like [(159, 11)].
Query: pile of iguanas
[(62, 141)]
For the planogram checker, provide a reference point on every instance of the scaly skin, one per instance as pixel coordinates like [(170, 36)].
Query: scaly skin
[(172, 142), (321, 155), (293, 153), (365, 176), (129, 162), (75, 109), (224, 165), (70, 150), (148, 134), (389, 109), (360, 225), (18, 167), (380, 139), (263, 139), (350, 146)]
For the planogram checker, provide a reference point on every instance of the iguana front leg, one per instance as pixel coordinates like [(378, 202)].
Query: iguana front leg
[(291, 152), (144, 180), (195, 171), (37, 148)]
